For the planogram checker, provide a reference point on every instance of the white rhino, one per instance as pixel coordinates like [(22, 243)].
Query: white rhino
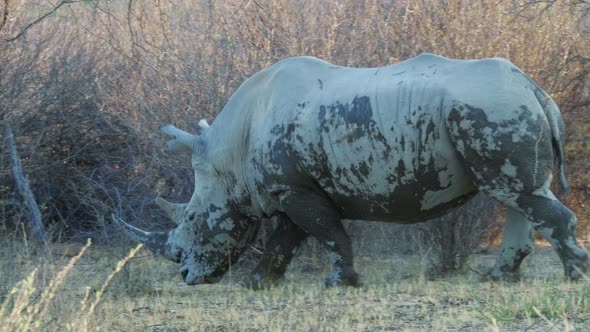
[(315, 143)]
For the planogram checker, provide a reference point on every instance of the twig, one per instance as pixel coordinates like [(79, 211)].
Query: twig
[(41, 18), (36, 223), (4, 14), (475, 271), (530, 327), (551, 324)]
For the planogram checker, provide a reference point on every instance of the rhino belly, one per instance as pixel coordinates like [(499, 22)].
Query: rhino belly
[(407, 204), (408, 174), (390, 164)]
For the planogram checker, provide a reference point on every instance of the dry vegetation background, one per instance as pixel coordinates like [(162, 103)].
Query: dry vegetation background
[(85, 84), (86, 88)]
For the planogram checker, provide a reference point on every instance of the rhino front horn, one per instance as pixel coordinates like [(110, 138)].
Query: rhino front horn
[(182, 142), (155, 241)]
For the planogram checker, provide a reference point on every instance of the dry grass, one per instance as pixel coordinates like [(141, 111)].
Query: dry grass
[(148, 295), (35, 303)]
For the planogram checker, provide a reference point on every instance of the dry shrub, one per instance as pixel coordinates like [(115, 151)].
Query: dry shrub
[(87, 87), (443, 244), (446, 243)]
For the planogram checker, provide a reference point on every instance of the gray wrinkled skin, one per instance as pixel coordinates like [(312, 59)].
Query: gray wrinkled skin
[(315, 143)]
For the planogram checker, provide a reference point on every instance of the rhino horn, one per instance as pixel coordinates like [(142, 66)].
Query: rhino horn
[(155, 241), (203, 124), (173, 211), (182, 142)]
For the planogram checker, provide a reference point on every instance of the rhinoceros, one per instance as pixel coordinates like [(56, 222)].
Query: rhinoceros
[(313, 143)]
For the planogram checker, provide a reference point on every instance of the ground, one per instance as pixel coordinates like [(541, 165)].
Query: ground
[(148, 295)]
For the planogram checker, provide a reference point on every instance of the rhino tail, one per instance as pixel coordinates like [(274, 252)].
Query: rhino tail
[(557, 136)]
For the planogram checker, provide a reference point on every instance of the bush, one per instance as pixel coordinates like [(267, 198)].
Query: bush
[(87, 86), (446, 243)]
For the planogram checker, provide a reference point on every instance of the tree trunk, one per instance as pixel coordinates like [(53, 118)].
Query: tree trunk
[(35, 222)]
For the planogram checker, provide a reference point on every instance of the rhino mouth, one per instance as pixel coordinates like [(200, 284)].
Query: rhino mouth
[(191, 278)]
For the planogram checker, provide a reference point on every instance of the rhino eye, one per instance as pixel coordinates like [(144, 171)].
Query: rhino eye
[(178, 255)]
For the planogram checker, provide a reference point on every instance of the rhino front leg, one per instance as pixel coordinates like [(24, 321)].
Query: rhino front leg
[(280, 250), (316, 215)]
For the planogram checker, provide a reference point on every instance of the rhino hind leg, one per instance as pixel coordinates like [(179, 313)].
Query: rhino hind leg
[(548, 216), (280, 250), (556, 223), (553, 220), (517, 243), (316, 215), (512, 160)]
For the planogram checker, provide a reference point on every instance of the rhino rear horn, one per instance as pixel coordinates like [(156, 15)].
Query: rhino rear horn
[(173, 211), (203, 124), (182, 142)]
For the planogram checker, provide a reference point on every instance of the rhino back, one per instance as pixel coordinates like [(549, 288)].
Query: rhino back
[(373, 139)]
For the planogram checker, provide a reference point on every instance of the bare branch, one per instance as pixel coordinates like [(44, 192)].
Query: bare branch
[(4, 15), (36, 223), (130, 27), (41, 18), (582, 104)]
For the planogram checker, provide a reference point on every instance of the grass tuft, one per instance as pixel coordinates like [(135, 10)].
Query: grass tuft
[(27, 308)]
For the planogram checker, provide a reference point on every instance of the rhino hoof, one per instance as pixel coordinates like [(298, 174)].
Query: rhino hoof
[(496, 276), (579, 270), (350, 279), (258, 282)]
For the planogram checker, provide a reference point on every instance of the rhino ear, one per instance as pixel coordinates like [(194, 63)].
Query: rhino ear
[(173, 211), (182, 142)]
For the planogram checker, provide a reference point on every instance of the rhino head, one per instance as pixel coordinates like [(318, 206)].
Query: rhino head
[(211, 232)]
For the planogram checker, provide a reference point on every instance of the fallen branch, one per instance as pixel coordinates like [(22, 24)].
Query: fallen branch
[(36, 224)]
